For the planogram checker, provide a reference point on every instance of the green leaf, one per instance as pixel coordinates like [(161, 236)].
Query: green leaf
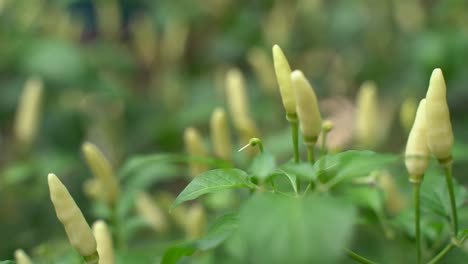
[(349, 164), (263, 165), (173, 254), (435, 198), (222, 229), (365, 196), (278, 229), (7, 262), (214, 181), (302, 170)]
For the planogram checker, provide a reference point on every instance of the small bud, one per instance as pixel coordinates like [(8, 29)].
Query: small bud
[(195, 147), (408, 113), (195, 221), (327, 126), (102, 171), (307, 107), (105, 246), (21, 257), (28, 113), (439, 127), (220, 135), (367, 123), (151, 213), (77, 229), (283, 75), (417, 151)]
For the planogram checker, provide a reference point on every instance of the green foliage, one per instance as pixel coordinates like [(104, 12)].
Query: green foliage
[(222, 229), (214, 181), (279, 229)]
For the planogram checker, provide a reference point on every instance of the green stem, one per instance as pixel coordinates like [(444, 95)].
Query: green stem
[(119, 241), (449, 179), (417, 222), (310, 153), (442, 254), (292, 119), (454, 242), (323, 149), (358, 258)]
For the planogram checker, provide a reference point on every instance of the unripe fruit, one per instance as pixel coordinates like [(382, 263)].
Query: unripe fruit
[(307, 107), (417, 152), (195, 147), (220, 135), (103, 172), (77, 229), (283, 75), (105, 246), (439, 127)]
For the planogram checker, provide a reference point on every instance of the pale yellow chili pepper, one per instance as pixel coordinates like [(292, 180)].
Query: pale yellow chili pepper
[(307, 107), (417, 152), (220, 135), (195, 147), (283, 76), (439, 127), (151, 212), (367, 116), (21, 257), (105, 246), (78, 231), (103, 172), (28, 112)]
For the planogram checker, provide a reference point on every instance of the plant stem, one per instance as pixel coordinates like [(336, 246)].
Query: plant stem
[(416, 189), (293, 121), (358, 257), (323, 148), (449, 179), (119, 242), (310, 153), (442, 254)]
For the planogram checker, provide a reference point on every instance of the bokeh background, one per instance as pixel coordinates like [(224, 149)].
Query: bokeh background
[(130, 76)]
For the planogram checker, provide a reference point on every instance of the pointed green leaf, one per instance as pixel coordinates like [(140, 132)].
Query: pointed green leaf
[(214, 181)]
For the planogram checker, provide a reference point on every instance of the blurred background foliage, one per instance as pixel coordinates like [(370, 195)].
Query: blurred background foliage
[(130, 76)]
